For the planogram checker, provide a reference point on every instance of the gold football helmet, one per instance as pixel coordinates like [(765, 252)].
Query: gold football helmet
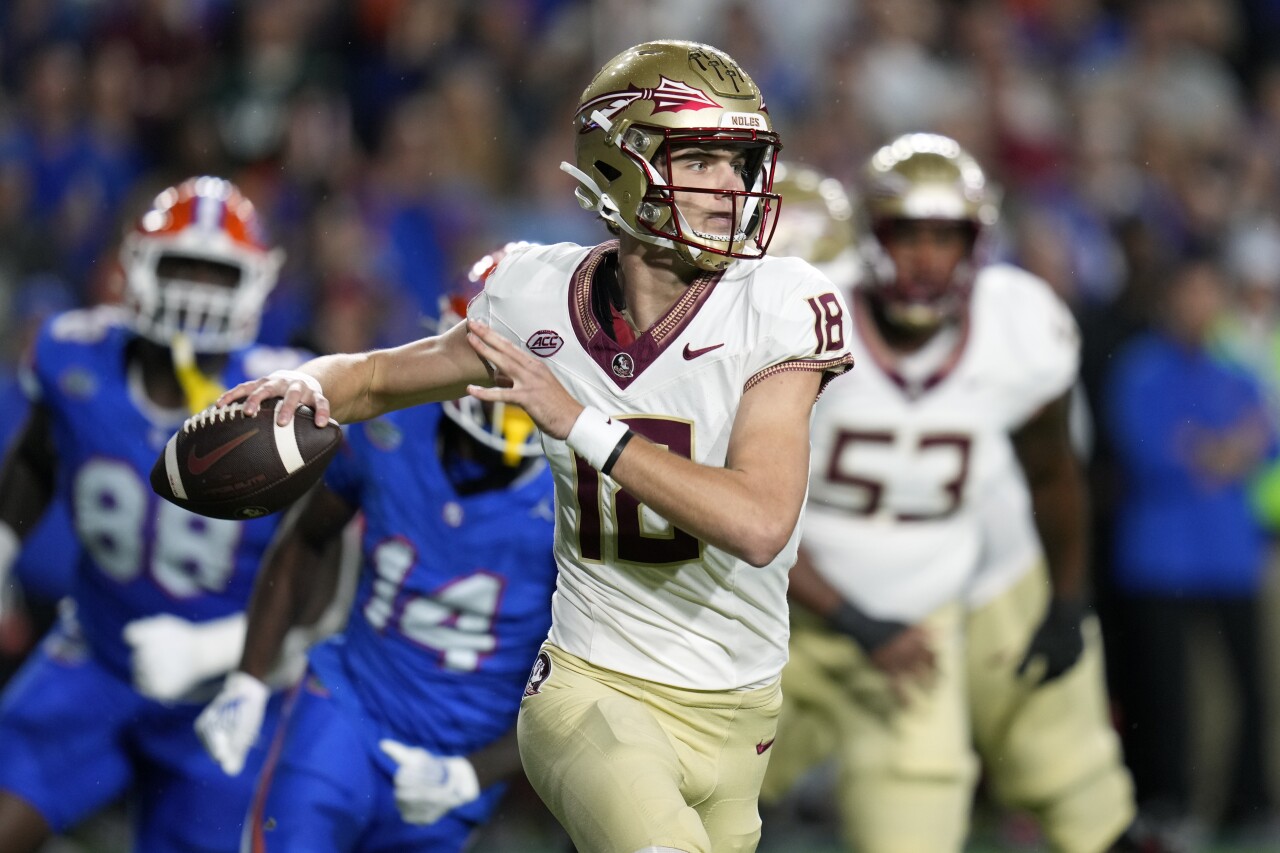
[(929, 178), (644, 101), (818, 223)]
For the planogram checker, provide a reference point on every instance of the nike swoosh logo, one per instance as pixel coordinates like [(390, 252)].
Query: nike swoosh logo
[(763, 746), (198, 464), (690, 353)]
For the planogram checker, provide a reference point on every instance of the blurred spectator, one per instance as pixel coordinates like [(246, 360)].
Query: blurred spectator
[(402, 44), (170, 48), (1189, 432), (76, 175), (279, 54), (45, 566), (1248, 332), (1248, 335), (903, 84)]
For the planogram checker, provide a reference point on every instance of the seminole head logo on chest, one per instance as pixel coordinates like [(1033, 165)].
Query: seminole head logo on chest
[(623, 366)]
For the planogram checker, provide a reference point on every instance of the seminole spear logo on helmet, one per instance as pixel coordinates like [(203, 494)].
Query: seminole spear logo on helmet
[(669, 96)]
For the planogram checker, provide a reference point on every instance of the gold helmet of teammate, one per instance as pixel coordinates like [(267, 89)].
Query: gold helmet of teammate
[(925, 177), (818, 223)]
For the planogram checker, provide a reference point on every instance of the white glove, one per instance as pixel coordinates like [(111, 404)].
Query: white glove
[(428, 786), (229, 725), (172, 655)]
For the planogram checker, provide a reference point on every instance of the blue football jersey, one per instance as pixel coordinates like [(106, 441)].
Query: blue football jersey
[(140, 555), (454, 594)]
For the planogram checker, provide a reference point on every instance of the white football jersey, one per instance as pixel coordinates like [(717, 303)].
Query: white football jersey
[(902, 470), (636, 594)]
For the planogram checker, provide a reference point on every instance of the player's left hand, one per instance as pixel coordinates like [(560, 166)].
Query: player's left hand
[(162, 649), (428, 786), (171, 655), (523, 380), (229, 725), (1058, 641), (295, 389)]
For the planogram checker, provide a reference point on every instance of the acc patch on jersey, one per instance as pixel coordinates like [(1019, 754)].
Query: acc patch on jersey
[(544, 343)]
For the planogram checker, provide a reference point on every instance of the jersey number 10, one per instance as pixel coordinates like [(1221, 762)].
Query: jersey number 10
[(634, 543)]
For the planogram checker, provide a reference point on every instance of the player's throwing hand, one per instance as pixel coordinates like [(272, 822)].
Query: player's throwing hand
[(295, 387), (524, 381)]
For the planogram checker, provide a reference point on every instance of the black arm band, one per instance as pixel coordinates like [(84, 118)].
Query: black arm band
[(869, 632), (607, 467)]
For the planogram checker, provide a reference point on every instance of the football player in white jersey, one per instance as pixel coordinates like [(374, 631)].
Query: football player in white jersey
[(939, 590), (672, 373)]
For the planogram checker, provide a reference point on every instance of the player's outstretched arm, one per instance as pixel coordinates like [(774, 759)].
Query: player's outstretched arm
[(1060, 505), (350, 387), (297, 579)]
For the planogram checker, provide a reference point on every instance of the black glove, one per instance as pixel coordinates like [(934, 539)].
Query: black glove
[(867, 631), (1058, 640)]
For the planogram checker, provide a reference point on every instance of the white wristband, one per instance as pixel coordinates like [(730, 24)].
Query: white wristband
[(298, 376), (594, 436), (220, 643)]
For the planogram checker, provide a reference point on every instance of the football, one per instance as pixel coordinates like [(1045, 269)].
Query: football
[(223, 464)]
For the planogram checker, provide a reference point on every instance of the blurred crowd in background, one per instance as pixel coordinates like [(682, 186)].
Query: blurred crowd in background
[(389, 143)]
